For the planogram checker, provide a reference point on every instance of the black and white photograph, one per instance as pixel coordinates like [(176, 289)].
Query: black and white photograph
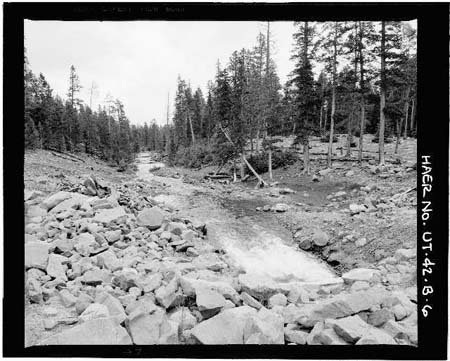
[(227, 182)]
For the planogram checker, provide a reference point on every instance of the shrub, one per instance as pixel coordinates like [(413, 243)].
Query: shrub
[(279, 159)]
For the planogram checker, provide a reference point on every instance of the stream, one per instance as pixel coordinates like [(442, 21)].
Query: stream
[(255, 242)]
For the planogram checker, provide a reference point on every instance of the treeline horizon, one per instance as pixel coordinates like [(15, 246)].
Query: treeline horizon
[(366, 84)]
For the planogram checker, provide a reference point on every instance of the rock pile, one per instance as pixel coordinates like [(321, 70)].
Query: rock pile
[(109, 271)]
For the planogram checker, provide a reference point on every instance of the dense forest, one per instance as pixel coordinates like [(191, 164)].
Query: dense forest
[(349, 77)]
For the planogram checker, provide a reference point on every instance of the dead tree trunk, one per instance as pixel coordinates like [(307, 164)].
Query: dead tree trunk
[(406, 111), (382, 93), (333, 97), (412, 116), (192, 128), (270, 163), (306, 161)]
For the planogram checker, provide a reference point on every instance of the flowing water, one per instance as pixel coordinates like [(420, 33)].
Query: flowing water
[(254, 241)]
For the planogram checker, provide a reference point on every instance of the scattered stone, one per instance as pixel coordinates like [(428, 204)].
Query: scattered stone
[(400, 312), (85, 243), (356, 208), (361, 274), (277, 300), (225, 328), (55, 199), (107, 216), (83, 302), (267, 326), (95, 310), (184, 318), (376, 337), (192, 252), (280, 207), (113, 236), (305, 244), (405, 254), (99, 331), (320, 238), (151, 218), (351, 328), (55, 268), (67, 299), (209, 302), (169, 296), (36, 255), (250, 301), (380, 317), (114, 306), (150, 282), (295, 336)]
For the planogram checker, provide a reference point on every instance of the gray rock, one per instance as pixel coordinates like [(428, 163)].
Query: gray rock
[(351, 328), (280, 207), (55, 199), (75, 201), (150, 282), (145, 328), (94, 310), (67, 299), (320, 238), (295, 336), (151, 218), (55, 268), (376, 337), (225, 328), (107, 216), (341, 306), (405, 254), (144, 304), (357, 208), (34, 290), (114, 306), (190, 285), (209, 261), (169, 296), (267, 325), (328, 337), (36, 211), (85, 243), (113, 236), (277, 300), (83, 302), (192, 252), (109, 260), (250, 301), (380, 317), (94, 277), (36, 255), (361, 274), (99, 331), (400, 312), (184, 318), (209, 302)]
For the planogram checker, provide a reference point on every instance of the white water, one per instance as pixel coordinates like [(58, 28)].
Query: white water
[(258, 246)]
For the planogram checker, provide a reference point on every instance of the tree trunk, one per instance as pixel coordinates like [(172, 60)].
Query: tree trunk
[(320, 119), (382, 93), (234, 170), (270, 163), (306, 162), (349, 137), (408, 90), (242, 168), (398, 131), (333, 98), (412, 116), (361, 86), (192, 129), (325, 119)]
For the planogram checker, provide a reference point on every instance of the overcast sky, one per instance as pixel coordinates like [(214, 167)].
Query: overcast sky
[(138, 62)]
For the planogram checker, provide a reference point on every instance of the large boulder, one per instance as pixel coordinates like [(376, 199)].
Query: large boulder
[(361, 274), (145, 329), (190, 286), (184, 318), (260, 287), (36, 255), (351, 328), (55, 199), (169, 296), (376, 337), (225, 328), (267, 326), (114, 306), (151, 218), (107, 216), (98, 331), (94, 310), (74, 202), (85, 243), (209, 302), (55, 267), (340, 306)]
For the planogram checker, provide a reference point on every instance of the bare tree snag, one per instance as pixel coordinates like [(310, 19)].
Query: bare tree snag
[(382, 93), (333, 97)]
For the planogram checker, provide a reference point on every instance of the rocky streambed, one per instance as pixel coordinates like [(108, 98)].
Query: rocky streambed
[(155, 260)]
